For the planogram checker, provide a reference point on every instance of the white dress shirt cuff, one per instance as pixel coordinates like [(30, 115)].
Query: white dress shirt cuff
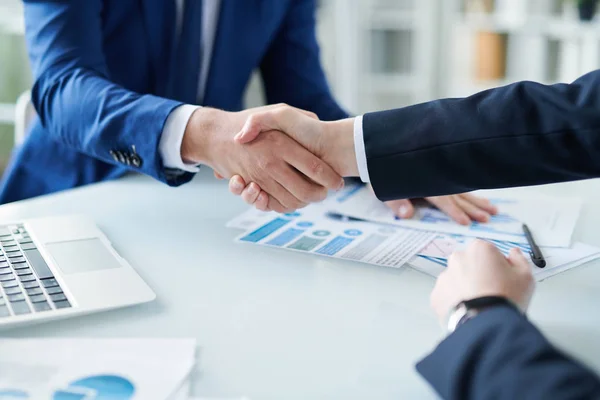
[(172, 136), (359, 148)]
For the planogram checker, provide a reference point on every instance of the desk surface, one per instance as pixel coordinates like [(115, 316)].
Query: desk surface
[(272, 324)]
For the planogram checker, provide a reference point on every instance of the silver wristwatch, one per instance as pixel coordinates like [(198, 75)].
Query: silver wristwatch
[(469, 309), (460, 314)]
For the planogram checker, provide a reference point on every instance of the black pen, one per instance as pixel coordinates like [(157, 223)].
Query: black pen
[(535, 253)]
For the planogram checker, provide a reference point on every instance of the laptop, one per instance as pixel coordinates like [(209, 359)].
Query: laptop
[(59, 267)]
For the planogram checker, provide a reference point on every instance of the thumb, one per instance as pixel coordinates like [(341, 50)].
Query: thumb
[(402, 208), (218, 175), (517, 258), (285, 119), (251, 129)]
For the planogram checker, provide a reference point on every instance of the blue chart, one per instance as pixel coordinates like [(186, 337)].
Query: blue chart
[(440, 249), (10, 394), (100, 387)]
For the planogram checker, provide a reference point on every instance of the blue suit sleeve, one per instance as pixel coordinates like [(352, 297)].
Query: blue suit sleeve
[(73, 94), (522, 134), (501, 355), (291, 69)]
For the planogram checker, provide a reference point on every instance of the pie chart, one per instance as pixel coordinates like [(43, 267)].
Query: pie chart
[(99, 387)]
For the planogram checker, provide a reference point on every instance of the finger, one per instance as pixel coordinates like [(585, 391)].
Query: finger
[(313, 167), (402, 208), (301, 188), (250, 193), (309, 114), (262, 201), (237, 185), (279, 118), (275, 205), (286, 200), (481, 202), (280, 106), (449, 206), (218, 175), (473, 211), (518, 259), (456, 260)]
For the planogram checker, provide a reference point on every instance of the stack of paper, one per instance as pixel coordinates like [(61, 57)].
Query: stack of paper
[(316, 231), (69, 369), (552, 220), (354, 225)]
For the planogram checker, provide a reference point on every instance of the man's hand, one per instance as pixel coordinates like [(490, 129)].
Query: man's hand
[(462, 208), (334, 143), (290, 174), (480, 271)]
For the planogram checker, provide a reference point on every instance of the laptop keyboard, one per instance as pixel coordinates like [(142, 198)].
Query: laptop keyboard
[(27, 284)]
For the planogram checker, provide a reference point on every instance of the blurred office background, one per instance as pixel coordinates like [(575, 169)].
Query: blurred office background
[(389, 53)]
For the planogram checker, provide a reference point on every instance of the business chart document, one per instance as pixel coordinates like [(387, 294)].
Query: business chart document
[(314, 230), (79, 369), (433, 259), (551, 220)]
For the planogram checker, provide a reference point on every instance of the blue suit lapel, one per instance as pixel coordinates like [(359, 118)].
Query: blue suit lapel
[(159, 16)]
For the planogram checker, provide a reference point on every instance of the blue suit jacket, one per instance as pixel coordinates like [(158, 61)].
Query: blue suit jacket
[(100, 69), (501, 355)]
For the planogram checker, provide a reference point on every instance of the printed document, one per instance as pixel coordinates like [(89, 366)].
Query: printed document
[(433, 259), (313, 230), (551, 220), (69, 369)]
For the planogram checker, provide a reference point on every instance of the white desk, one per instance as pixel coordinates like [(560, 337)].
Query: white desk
[(280, 325)]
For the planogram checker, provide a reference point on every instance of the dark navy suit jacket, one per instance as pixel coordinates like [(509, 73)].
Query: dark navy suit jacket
[(522, 134), (500, 355), (101, 67)]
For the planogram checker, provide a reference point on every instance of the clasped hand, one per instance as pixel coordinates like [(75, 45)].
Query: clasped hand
[(333, 144), (291, 175)]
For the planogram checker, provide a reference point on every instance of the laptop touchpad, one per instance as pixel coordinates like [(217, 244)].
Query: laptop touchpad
[(82, 256)]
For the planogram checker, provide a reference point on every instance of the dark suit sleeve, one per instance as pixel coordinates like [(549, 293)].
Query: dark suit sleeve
[(501, 355), (291, 69), (518, 135)]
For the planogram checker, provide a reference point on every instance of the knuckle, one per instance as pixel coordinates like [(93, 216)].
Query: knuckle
[(305, 195), (294, 204), (280, 112), (316, 167), (247, 198), (266, 163)]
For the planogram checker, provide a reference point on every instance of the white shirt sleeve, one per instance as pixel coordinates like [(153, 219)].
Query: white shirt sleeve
[(359, 148), (172, 136)]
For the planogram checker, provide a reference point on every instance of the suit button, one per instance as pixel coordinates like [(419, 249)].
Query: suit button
[(136, 161), (121, 157)]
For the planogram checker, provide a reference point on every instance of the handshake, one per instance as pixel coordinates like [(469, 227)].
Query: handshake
[(281, 158)]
